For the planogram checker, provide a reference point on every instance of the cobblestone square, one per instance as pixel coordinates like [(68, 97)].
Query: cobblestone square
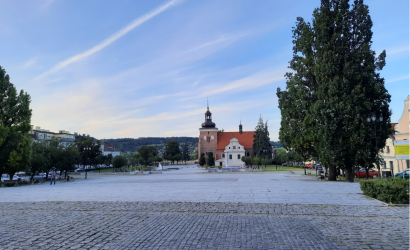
[(186, 210)]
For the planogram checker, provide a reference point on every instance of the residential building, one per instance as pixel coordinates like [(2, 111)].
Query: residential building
[(108, 148), (65, 137), (390, 163)]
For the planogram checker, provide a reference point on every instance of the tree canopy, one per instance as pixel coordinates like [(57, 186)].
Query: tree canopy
[(261, 142), (15, 116), (172, 151), (333, 87)]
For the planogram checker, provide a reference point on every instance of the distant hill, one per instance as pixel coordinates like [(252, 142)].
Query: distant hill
[(133, 144), (276, 144)]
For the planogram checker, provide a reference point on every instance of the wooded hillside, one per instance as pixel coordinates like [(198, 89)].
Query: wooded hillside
[(133, 144)]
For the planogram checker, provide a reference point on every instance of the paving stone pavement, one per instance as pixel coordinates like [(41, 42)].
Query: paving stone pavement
[(200, 225)]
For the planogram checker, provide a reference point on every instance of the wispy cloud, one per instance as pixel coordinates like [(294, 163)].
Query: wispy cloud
[(398, 79), (137, 22), (397, 50)]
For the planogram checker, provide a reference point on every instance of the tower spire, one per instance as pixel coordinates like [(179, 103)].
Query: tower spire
[(207, 104)]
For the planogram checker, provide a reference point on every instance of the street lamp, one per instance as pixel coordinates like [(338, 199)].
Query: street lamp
[(370, 119)]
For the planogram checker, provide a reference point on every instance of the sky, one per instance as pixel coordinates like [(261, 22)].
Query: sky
[(128, 69)]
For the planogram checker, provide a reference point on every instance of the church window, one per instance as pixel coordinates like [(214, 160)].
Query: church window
[(208, 132), (223, 155), (247, 154), (212, 137), (239, 157), (234, 147), (204, 137), (230, 157), (208, 139)]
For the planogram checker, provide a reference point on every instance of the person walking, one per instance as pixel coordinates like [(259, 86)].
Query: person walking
[(53, 177)]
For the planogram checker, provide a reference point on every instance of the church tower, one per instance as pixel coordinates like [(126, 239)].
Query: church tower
[(208, 140), (240, 127)]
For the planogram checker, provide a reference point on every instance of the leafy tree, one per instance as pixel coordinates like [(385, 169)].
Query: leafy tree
[(119, 161), (185, 153), (109, 159), (261, 142), (266, 161), (334, 87), (193, 156), (256, 161), (281, 156), (15, 115), (89, 151), (136, 157), (202, 160), (147, 154), (70, 156), (38, 158), (171, 150), (176, 158), (211, 160)]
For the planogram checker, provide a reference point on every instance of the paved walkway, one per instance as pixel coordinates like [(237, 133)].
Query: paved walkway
[(196, 185), (193, 209)]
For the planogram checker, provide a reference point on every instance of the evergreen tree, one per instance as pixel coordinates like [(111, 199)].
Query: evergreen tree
[(261, 141), (15, 115), (202, 160), (334, 87), (211, 160)]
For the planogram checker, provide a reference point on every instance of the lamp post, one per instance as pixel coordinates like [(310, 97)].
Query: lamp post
[(86, 150), (373, 119)]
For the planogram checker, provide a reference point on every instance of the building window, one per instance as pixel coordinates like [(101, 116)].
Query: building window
[(408, 163), (212, 137), (388, 149), (208, 133), (223, 155), (208, 139), (239, 157), (247, 154), (234, 147), (204, 137), (239, 147), (229, 147), (230, 157), (391, 165)]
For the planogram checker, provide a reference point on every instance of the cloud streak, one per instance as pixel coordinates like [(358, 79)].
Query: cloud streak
[(114, 37)]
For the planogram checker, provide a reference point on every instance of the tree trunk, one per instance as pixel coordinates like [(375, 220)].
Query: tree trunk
[(349, 174), (332, 173), (367, 173), (344, 173), (305, 170)]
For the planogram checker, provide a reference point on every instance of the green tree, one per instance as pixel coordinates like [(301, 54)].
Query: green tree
[(185, 152), (38, 159), (202, 160), (147, 154), (89, 150), (119, 161), (136, 157), (261, 142), (256, 161), (171, 150), (15, 115), (211, 160), (334, 87), (281, 156), (266, 161), (70, 156)]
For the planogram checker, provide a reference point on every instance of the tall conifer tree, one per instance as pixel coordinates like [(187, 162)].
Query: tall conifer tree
[(334, 87)]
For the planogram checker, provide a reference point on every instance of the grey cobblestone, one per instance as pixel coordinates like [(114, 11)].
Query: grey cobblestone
[(191, 225)]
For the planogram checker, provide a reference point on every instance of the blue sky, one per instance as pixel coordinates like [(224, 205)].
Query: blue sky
[(116, 69)]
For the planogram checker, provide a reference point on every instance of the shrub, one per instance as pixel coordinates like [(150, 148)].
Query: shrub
[(219, 167), (392, 190), (206, 167), (9, 184)]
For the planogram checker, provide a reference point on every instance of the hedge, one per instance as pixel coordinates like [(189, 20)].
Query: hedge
[(391, 190)]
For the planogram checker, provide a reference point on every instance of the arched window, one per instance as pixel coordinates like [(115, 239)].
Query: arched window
[(229, 147), (223, 155), (247, 154), (230, 157), (208, 139), (239, 157)]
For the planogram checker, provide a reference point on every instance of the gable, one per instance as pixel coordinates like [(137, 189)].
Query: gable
[(245, 139)]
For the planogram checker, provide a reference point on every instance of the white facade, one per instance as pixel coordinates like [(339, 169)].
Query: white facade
[(232, 156)]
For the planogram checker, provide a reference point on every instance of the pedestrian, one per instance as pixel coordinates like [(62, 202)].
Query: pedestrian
[(53, 177)]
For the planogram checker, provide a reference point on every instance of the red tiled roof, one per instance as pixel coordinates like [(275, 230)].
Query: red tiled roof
[(110, 147), (245, 139)]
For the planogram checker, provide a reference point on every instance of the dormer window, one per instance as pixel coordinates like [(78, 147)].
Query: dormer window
[(234, 147)]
